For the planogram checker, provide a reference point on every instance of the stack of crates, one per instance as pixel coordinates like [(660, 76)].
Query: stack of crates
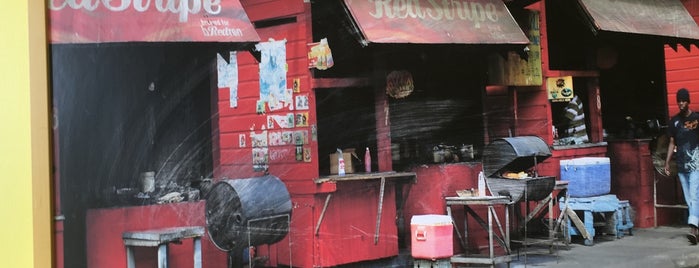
[(589, 183)]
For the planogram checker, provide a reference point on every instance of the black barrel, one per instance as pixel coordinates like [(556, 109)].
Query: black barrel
[(250, 211)]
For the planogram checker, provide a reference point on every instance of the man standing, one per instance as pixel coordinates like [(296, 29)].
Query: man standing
[(684, 140)]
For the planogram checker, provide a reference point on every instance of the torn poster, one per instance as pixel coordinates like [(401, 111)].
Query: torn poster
[(258, 139), (273, 67), (281, 120), (228, 76)]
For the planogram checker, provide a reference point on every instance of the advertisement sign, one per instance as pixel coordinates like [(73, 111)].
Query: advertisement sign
[(436, 22), (560, 88), (95, 21)]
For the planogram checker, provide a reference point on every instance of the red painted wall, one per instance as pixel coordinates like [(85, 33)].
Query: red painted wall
[(633, 179), (347, 231), (236, 161), (105, 247), (682, 67)]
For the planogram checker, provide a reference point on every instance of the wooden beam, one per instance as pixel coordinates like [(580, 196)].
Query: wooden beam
[(320, 83), (516, 4)]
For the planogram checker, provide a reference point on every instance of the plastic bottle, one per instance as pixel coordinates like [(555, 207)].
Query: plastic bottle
[(367, 161), (481, 184), (340, 163)]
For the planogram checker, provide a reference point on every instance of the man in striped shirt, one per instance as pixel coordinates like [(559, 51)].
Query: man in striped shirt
[(576, 130)]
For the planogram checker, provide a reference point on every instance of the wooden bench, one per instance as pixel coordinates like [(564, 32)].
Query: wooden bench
[(160, 238)]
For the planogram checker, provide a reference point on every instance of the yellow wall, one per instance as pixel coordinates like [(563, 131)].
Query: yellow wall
[(25, 228)]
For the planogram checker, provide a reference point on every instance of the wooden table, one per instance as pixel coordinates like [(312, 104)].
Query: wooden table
[(382, 176), (161, 238), (501, 235), (560, 190)]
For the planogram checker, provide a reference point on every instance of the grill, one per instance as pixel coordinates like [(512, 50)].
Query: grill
[(514, 155)]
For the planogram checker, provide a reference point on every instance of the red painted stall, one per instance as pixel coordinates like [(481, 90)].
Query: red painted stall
[(333, 214), (135, 25)]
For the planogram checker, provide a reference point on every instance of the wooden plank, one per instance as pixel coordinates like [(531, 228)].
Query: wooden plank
[(340, 82), (477, 200), (578, 223), (366, 176), (166, 233)]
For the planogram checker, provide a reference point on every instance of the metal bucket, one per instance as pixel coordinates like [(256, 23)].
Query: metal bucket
[(248, 212)]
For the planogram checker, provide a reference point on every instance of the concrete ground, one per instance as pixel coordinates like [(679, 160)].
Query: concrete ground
[(661, 247)]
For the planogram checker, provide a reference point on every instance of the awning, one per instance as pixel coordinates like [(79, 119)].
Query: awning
[(435, 22), (83, 21), (663, 18)]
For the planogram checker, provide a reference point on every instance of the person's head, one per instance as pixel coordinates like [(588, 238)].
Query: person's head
[(683, 99)]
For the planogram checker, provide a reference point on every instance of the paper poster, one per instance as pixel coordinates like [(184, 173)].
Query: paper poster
[(287, 137), (260, 159), (302, 119), (273, 86), (301, 102), (258, 139), (306, 154), (319, 55), (300, 137), (560, 88), (275, 138), (260, 107), (270, 122), (280, 120), (297, 85), (299, 153), (241, 140), (228, 76), (290, 119)]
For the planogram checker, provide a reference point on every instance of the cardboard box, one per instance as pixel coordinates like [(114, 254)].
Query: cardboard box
[(350, 158)]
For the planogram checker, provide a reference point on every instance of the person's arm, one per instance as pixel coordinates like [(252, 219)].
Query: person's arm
[(670, 152)]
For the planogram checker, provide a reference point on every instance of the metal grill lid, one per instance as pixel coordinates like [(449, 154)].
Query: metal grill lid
[(514, 154)]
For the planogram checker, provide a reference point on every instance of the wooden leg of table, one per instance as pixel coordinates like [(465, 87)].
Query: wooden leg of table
[(551, 225), (507, 230), (162, 256), (378, 214), (456, 228), (490, 232), (466, 227), (197, 252), (130, 261)]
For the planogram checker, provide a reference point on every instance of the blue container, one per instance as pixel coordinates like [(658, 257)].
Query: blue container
[(586, 176)]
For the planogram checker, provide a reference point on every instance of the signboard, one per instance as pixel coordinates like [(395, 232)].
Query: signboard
[(102, 21), (514, 70), (560, 88), (436, 22), (650, 17)]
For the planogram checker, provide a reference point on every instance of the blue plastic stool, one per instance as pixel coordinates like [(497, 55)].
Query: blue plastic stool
[(623, 219)]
